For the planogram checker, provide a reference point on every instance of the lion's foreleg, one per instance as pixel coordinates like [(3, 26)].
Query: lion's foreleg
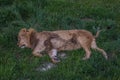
[(53, 55)]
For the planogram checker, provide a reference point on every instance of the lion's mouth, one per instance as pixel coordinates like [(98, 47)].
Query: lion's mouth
[(23, 46)]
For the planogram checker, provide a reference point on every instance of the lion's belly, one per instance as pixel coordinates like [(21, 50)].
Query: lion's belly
[(70, 46)]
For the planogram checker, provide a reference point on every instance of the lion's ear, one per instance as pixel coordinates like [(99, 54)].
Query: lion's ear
[(24, 30), (31, 30)]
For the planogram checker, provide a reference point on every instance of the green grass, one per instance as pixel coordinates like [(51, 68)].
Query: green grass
[(20, 64)]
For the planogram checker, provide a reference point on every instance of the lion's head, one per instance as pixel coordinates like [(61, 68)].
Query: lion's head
[(24, 37)]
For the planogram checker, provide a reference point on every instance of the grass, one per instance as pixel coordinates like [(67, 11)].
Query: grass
[(20, 64)]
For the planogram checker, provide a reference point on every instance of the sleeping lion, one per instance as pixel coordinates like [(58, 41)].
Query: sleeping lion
[(54, 41)]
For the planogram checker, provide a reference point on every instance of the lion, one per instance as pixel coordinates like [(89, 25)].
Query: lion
[(61, 40)]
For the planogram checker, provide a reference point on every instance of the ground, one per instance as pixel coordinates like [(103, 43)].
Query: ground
[(20, 64)]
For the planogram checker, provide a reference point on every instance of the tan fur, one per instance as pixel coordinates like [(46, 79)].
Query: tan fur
[(59, 40)]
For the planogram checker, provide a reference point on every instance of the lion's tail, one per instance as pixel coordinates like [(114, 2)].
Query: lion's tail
[(97, 33)]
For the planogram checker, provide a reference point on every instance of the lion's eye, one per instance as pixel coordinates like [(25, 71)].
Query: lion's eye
[(23, 35)]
